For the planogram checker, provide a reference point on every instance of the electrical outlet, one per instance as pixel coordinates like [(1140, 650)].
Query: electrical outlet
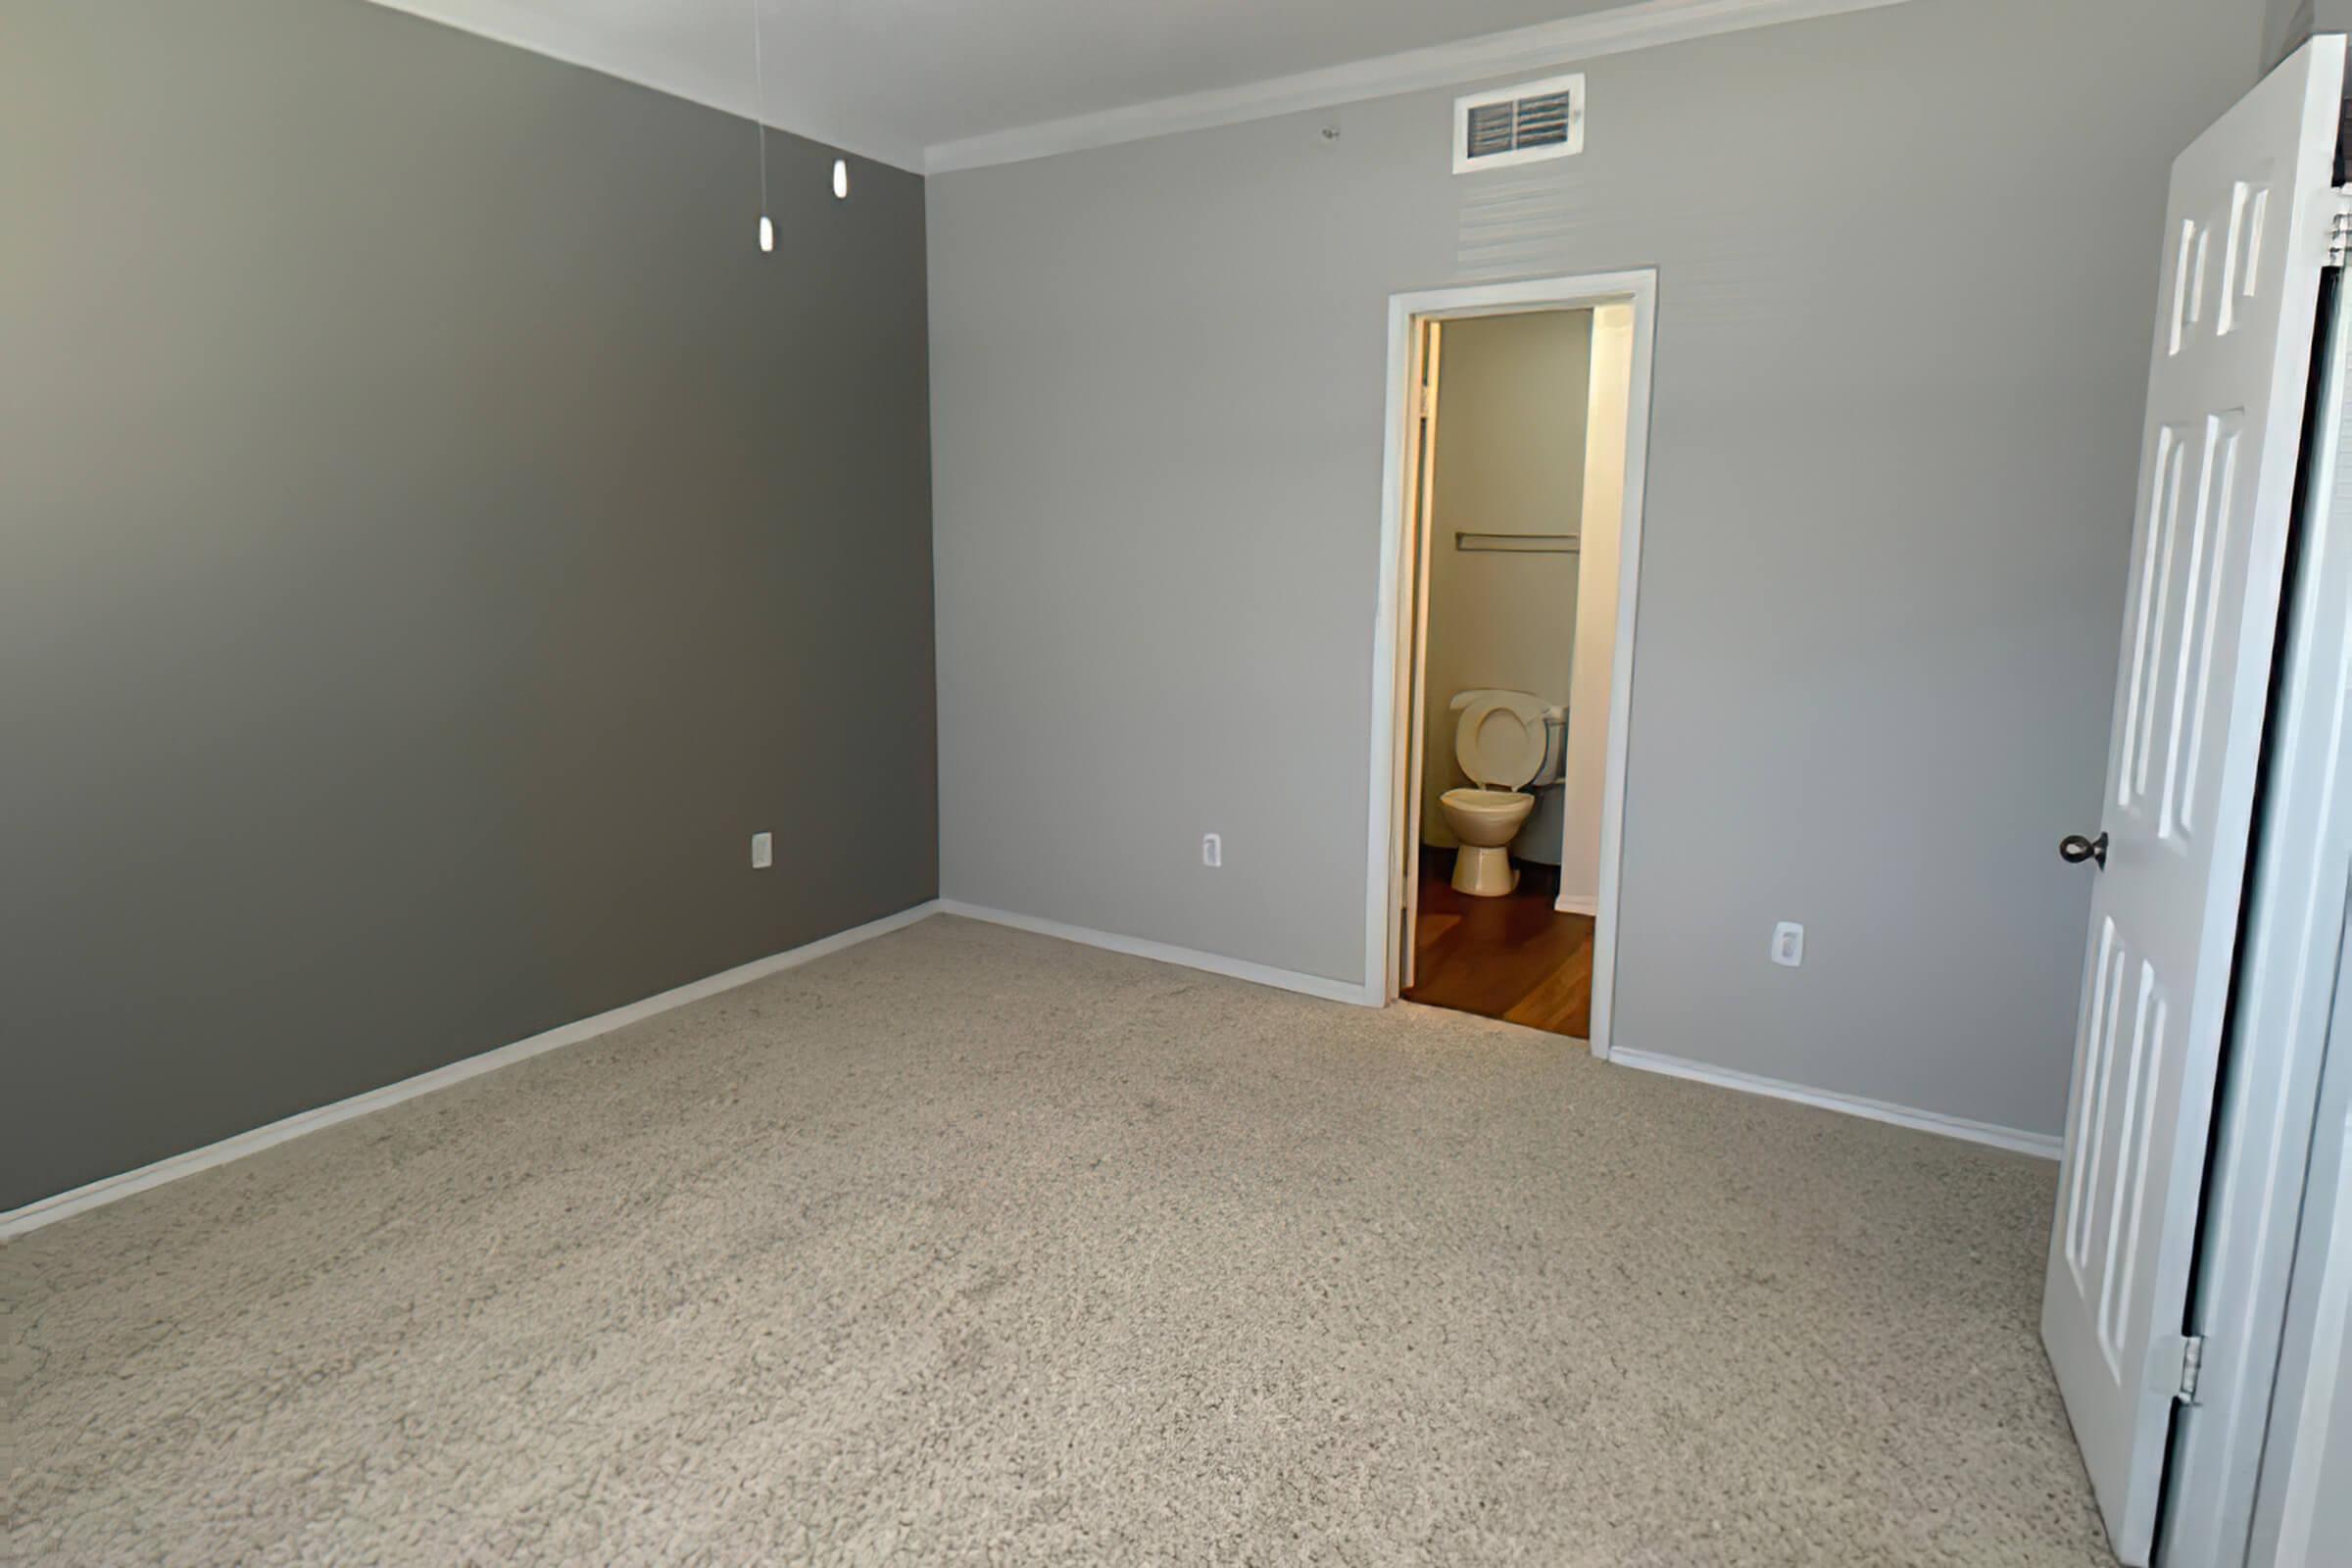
[(763, 850), (1212, 851), (1789, 943)]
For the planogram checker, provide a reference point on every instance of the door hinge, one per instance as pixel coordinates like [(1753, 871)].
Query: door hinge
[(2339, 235), (2177, 1362)]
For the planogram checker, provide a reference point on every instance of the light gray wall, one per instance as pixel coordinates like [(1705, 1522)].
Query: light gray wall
[(1907, 264), (432, 540), (2286, 24)]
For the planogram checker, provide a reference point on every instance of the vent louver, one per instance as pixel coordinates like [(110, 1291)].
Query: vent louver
[(1519, 124)]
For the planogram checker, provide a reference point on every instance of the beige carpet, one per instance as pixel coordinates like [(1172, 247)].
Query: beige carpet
[(969, 1245)]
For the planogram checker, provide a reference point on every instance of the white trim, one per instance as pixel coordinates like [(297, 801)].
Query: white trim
[(1644, 24), (1312, 985), (1639, 288), (549, 31), (1572, 85), (2043, 1145), (107, 1189), (1577, 903), (1384, 910), (1621, 666)]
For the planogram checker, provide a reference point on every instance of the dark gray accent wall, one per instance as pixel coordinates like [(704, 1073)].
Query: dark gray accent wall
[(432, 540)]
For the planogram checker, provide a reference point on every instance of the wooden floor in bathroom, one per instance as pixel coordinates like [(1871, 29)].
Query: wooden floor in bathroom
[(1513, 957)]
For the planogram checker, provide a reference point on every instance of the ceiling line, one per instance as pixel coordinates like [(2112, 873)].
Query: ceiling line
[(1644, 25), (526, 31)]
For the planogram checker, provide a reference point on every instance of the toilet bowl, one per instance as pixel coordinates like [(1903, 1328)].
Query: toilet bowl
[(1485, 820), (1502, 741)]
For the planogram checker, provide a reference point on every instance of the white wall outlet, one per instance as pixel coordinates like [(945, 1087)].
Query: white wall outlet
[(763, 850), (1789, 943), (1212, 849)]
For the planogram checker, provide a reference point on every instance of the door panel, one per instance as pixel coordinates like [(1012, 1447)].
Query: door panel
[(2244, 241), (1425, 489)]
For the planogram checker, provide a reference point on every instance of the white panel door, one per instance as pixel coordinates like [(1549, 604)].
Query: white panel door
[(2246, 238)]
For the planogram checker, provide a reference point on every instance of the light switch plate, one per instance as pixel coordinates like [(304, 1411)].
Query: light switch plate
[(763, 850)]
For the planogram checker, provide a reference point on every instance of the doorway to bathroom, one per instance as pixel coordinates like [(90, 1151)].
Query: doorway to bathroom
[(1519, 417)]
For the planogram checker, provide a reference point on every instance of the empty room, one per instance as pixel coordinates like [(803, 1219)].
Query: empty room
[(1538, 781)]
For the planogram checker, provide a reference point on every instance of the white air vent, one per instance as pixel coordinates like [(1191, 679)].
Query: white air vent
[(1519, 124)]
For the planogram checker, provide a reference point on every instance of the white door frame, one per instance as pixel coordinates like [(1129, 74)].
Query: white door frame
[(1639, 289)]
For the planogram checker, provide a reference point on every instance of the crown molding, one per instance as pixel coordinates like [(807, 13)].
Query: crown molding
[(550, 32), (1644, 25)]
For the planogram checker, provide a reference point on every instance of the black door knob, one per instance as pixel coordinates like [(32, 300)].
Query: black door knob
[(2075, 849)]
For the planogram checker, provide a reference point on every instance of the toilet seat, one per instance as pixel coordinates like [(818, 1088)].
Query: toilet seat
[(1500, 739)]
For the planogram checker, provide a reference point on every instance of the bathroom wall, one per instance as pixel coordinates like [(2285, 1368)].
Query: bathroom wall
[(1585, 767), (1511, 459), (432, 540), (1908, 263)]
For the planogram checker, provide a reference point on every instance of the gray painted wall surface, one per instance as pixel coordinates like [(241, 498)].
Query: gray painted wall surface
[(1907, 264), (2286, 24), (432, 540)]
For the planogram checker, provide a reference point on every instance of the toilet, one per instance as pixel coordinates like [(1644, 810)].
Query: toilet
[(1504, 742)]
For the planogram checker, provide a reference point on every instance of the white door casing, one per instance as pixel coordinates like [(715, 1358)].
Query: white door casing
[(1392, 646), (2246, 234)]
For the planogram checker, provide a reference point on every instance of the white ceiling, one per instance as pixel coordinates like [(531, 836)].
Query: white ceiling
[(889, 79)]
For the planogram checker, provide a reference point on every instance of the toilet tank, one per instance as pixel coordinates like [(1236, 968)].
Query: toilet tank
[(1540, 838), (1555, 749)]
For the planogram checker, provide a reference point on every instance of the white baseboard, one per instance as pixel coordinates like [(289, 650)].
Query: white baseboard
[(107, 1189), (1577, 903), (2043, 1145), (1312, 985)]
